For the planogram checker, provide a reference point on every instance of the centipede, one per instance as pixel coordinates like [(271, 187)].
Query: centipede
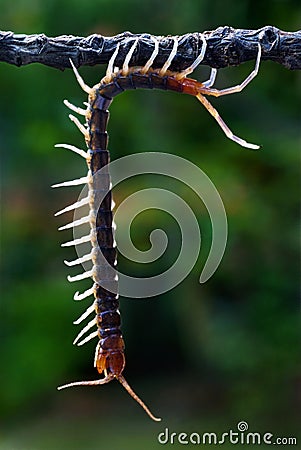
[(109, 354)]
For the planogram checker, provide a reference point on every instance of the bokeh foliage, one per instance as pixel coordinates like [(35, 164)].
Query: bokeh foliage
[(204, 356)]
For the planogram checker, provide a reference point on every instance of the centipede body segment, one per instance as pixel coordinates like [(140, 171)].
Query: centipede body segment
[(109, 355)]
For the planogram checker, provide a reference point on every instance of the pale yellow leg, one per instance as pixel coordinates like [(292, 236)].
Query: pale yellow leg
[(222, 124), (81, 82), (199, 59), (170, 58)]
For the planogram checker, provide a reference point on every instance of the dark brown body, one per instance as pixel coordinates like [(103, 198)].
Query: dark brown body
[(110, 357)]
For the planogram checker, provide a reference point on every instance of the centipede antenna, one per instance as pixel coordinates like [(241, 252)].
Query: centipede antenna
[(128, 388), (81, 82), (122, 381), (170, 58), (105, 380)]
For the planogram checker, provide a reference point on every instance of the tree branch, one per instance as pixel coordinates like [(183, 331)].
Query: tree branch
[(226, 46)]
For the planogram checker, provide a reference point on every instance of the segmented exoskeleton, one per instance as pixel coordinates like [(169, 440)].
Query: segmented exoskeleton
[(109, 356)]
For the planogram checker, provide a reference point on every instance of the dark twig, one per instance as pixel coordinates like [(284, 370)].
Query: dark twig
[(225, 47)]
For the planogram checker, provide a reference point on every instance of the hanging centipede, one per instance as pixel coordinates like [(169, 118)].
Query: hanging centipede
[(109, 354)]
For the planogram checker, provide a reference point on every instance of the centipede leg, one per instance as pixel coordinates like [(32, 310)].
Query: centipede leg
[(110, 69), (77, 296), (81, 276), (153, 56), (197, 61), (96, 353), (170, 58), (78, 241), (75, 205), (79, 125), (86, 314), (125, 67), (76, 182), (75, 223), (88, 338), (81, 82), (74, 108), (84, 330), (73, 149), (81, 260), (211, 79), (222, 124), (238, 88)]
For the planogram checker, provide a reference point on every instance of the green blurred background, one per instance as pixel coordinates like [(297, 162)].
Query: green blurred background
[(203, 357)]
